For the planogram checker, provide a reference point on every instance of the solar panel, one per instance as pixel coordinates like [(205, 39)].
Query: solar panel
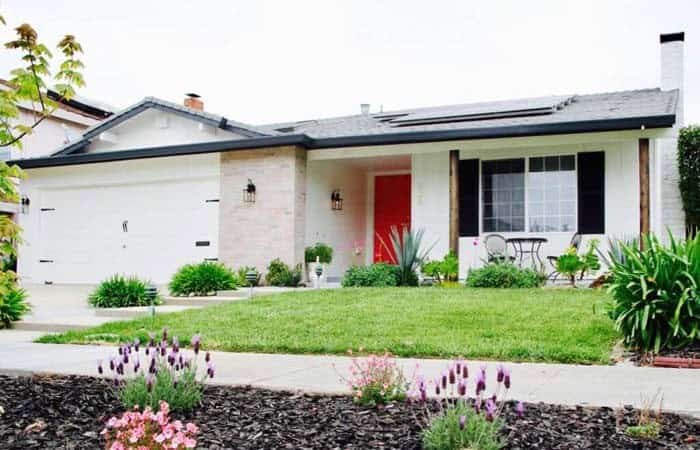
[(485, 110)]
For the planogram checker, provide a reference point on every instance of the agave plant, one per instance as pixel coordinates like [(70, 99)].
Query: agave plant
[(615, 253), (406, 253), (656, 293)]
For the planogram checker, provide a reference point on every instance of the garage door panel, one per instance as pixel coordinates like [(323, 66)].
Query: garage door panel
[(147, 229)]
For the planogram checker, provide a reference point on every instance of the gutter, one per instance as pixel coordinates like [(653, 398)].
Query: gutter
[(309, 143)]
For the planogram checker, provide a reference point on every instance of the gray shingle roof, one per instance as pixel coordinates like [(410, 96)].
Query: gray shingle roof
[(567, 109)]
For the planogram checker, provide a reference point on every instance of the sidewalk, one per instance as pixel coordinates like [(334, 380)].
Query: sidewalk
[(610, 386)]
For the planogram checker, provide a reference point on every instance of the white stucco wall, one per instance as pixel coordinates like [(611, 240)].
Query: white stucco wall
[(342, 230), (164, 200), (430, 205), (49, 135), (153, 128)]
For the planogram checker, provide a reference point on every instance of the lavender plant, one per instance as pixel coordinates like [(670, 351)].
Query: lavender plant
[(146, 376), (463, 422)]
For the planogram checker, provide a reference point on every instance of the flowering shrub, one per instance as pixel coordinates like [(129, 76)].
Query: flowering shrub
[(376, 379), (464, 422), (149, 431), (166, 374)]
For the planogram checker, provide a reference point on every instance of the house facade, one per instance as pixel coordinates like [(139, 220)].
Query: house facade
[(159, 185)]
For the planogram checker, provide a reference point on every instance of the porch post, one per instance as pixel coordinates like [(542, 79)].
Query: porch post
[(454, 201), (644, 216)]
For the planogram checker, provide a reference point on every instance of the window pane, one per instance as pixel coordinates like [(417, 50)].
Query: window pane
[(552, 194), (503, 184)]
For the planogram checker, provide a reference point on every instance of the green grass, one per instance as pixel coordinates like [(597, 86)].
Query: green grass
[(562, 325)]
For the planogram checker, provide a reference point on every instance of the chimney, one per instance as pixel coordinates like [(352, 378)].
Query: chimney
[(364, 109), (672, 67), (193, 101)]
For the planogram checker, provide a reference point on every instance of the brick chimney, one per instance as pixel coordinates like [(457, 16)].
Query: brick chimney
[(193, 101), (671, 76)]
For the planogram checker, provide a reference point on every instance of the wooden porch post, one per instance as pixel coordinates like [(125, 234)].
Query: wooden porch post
[(454, 201), (644, 215)]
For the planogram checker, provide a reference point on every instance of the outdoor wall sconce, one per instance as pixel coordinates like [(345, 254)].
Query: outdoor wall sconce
[(336, 201), (24, 205), (249, 192)]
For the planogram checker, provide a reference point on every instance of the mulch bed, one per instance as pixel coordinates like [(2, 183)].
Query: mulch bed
[(69, 413), (690, 352)]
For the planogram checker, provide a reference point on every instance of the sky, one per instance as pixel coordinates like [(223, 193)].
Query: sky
[(264, 61)]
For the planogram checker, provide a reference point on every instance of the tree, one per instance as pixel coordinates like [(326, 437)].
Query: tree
[(28, 85)]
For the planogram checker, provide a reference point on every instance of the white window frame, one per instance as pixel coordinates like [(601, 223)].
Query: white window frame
[(526, 186)]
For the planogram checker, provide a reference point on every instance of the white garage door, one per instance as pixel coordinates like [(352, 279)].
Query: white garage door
[(146, 229)]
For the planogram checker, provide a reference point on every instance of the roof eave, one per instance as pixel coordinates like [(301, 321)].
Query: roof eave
[(591, 126)]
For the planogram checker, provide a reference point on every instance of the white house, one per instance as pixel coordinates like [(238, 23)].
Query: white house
[(159, 185)]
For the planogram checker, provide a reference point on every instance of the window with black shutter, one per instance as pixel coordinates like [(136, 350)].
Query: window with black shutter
[(591, 193), (469, 197)]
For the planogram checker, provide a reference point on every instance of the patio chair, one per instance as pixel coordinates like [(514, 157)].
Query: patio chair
[(497, 248), (575, 243)]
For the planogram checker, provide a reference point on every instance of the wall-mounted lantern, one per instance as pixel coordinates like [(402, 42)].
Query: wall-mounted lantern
[(336, 201), (249, 192), (24, 205)]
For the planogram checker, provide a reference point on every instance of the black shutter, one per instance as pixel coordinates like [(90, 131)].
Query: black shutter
[(469, 197), (591, 193)]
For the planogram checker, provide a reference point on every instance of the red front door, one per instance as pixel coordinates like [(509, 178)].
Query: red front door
[(392, 207)]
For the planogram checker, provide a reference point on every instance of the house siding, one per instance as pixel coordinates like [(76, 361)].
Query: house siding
[(253, 234)]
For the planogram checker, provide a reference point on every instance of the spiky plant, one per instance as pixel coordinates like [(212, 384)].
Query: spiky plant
[(407, 253)]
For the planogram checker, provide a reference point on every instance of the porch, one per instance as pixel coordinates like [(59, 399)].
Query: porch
[(601, 185)]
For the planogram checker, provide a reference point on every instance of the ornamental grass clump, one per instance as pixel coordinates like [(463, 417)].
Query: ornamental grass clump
[(376, 380), (205, 278), (119, 291), (148, 430), (144, 376), (656, 294), (463, 422)]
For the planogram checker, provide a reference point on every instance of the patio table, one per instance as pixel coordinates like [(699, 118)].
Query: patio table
[(529, 246)]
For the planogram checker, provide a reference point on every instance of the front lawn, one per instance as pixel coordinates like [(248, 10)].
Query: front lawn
[(557, 325)]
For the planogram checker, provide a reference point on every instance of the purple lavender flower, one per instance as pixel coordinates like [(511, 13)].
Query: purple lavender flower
[(162, 350), (506, 378), (137, 365), (437, 386), (210, 370), (111, 364), (175, 381), (120, 350), (196, 342), (465, 371), (146, 350), (520, 410), (126, 358), (462, 422), (444, 380), (477, 405), (500, 374), (483, 370), (423, 395), (149, 382), (120, 368), (176, 344), (137, 343), (458, 365), (452, 377), (480, 383), (462, 388), (116, 381), (490, 410), (99, 367), (165, 333), (207, 357)]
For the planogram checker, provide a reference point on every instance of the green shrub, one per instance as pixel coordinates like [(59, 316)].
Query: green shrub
[(571, 264), (445, 432), (375, 275), (656, 294), (322, 251), (242, 276), (689, 171), (13, 305), (280, 274), (443, 271), (201, 279), (183, 396), (504, 275), (120, 291)]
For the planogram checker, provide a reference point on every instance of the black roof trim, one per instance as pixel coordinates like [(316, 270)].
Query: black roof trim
[(84, 107), (159, 152), (671, 37), (633, 123), (588, 126)]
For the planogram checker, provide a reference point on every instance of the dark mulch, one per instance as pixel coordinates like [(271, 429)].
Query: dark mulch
[(69, 412), (691, 351)]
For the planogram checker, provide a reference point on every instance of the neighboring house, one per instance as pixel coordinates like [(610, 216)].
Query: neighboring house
[(159, 185), (67, 122)]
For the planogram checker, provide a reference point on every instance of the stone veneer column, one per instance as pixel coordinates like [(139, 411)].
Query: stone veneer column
[(253, 234)]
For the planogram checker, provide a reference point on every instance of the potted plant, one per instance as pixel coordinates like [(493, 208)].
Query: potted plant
[(318, 254)]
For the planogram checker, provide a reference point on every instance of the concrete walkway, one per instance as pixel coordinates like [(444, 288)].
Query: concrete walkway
[(611, 386)]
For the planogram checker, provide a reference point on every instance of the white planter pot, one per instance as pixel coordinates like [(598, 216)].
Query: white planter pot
[(313, 279)]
